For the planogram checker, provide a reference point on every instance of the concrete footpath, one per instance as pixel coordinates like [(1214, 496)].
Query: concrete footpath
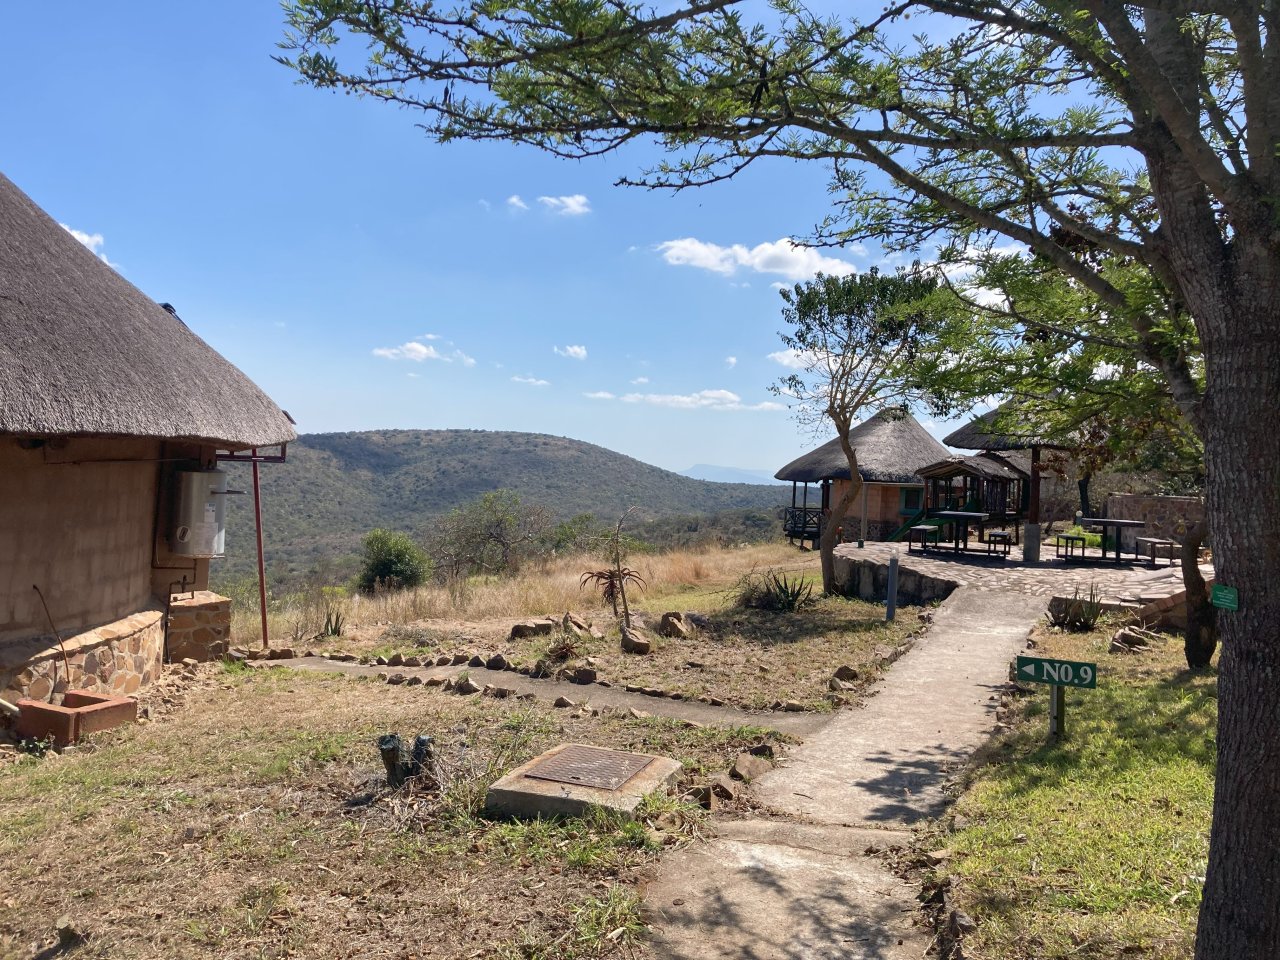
[(800, 886)]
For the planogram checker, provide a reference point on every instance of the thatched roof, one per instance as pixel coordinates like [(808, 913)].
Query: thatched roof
[(998, 430), (988, 465), (891, 447), (83, 351)]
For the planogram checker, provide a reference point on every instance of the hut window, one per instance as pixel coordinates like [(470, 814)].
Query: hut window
[(912, 498)]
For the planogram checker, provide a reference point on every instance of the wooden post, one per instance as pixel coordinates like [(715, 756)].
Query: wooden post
[(862, 535), (262, 574)]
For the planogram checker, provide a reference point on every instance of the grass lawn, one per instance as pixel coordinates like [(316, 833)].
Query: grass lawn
[(253, 822), (1095, 847)]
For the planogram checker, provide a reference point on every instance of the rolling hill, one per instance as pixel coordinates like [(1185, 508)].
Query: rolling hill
[(338, 486)]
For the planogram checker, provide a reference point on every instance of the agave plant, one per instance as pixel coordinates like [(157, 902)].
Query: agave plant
[(612, 584)]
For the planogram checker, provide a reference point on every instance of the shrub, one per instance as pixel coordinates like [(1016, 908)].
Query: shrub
[(773, 591), (392, 561), (1079, 614)]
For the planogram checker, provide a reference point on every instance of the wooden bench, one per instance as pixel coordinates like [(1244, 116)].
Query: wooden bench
[(1072, 542), (921, 534), (1153, 545), (998, 542)]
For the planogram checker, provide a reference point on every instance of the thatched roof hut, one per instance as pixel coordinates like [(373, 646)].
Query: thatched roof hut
[(999, 429), (891, 446), (87, 353), (989, 466)]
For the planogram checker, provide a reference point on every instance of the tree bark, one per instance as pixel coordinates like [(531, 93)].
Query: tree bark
[(1240, 912), (1201, 639), (1083, 484)]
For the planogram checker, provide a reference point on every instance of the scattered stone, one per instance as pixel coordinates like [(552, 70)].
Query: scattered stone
[(476, 661), (189, 663), (698, 620), (603, 683), (635, 714), (310, 653), (526, 696), (715, 701), (652, 692), (748, 766), (704, 796), (396, 678), (961, 923), (498, 693), (467, 686), (563, 702), (724, 787), (435, 681), (839, 686), (458, 659), (762, 750), (846, 673), (413, 682), (396, 659), (578, 620), (595, 633), (935, 857), (533, 628), (631, 688), (672, 625), (696, 665), (496, 662), (676, 696), (791, 706), (413, 661), (693, 724), (633, 641), (541, 670), (583, 675), (383, 676), (381, 661)]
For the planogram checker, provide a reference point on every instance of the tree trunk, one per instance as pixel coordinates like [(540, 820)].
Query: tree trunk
[(1240, 912), (831, 535), (1083, 484), (1202, 622)]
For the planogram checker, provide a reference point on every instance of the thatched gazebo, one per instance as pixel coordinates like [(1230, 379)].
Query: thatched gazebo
[(991, 483), (891, 447), (113, 416), (999, 431)]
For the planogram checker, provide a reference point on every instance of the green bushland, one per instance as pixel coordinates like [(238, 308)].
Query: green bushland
[(1095, 846), (392, 561)]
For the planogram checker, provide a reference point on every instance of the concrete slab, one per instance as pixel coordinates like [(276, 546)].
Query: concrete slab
[(522, 794), (774, 890)]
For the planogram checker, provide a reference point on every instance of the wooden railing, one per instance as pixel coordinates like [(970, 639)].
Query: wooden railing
[(802, 523)]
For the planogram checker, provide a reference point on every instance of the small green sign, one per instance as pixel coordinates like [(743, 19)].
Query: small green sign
[(1224, 598), (1061, 673)]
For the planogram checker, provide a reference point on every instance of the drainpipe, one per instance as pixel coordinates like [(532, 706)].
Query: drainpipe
[(9, 708)]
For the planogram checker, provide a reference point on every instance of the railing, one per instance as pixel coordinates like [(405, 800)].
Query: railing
[(802, 523)]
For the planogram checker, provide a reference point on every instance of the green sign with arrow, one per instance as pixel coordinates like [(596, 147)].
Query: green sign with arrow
[(1061, 673)]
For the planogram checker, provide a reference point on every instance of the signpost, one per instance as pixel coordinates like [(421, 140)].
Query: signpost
[(1060, 674), (1224, 597)]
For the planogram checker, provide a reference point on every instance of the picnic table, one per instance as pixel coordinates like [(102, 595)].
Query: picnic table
[(1119, 525), (960, 520)]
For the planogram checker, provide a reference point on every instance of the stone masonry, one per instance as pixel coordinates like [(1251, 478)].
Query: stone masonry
[(199, 627), (117, 658), (1167, 517)]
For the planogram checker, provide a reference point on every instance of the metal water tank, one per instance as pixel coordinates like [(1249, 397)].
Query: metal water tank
[(200, 519)]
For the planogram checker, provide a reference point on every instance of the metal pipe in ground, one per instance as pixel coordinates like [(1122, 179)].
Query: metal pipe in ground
[(891, 589)]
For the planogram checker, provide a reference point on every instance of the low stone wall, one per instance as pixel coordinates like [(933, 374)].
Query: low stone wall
[(869, 580), (1166, 517), (199, 627), (116, 658)]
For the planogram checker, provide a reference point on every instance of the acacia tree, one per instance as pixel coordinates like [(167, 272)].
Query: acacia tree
[(856, 337), (1148, 129)]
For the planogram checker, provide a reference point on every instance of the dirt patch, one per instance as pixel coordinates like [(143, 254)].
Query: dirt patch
[(251, 821)]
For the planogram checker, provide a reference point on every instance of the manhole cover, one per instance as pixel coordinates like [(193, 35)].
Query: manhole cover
[(590, 767)]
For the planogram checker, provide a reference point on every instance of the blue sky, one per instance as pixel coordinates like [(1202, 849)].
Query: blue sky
[(368, 278)]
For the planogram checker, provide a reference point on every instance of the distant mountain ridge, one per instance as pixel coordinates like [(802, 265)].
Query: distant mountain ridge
[(336, 487), (718, 474)]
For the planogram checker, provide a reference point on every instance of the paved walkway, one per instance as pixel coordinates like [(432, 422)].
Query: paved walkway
[(801, 886)]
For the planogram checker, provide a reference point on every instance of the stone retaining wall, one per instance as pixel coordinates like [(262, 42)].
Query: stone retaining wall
[(868, 579), (199, 627), (116, 658), (1166, 517)]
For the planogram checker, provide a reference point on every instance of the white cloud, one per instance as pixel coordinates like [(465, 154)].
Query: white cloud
[(571, 206), (531, 381), (485, 205), (428, 336), (418, 352), (573, 351), (639, 381), (791, 359), (515, 203), (599, 395), (730, 362), (702, 400), (779, 286), (783, 257), (93, 241)]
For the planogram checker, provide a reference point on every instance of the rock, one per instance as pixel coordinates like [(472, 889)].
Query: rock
[(715, 701), (413, 661), (189, 663), (583, 675), (540, 670), (704, 796), (476, 661), (526, 696), (458, 659), (435, 681), (701, 621), (467, 686), (533, 628), (935, 857), (791, 706), (413, 682), (838, 685), (498, 693), (563, 702), (578, 620), (380, 661), (692, 725), (960, 923), (672, 625), (635, 714), (762, 750), (846, 673), (652, 692), (396, 678), (383, 676), (633, 641), (631, 688), (496, 662), (595, 633), (592, 661), (748, 767), (603, 683), (724, 787), (396, 659), (695, 665)]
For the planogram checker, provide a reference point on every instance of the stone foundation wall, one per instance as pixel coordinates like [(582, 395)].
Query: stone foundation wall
[(869, 580), (117, 658), (1166, 517), (199, 627)]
